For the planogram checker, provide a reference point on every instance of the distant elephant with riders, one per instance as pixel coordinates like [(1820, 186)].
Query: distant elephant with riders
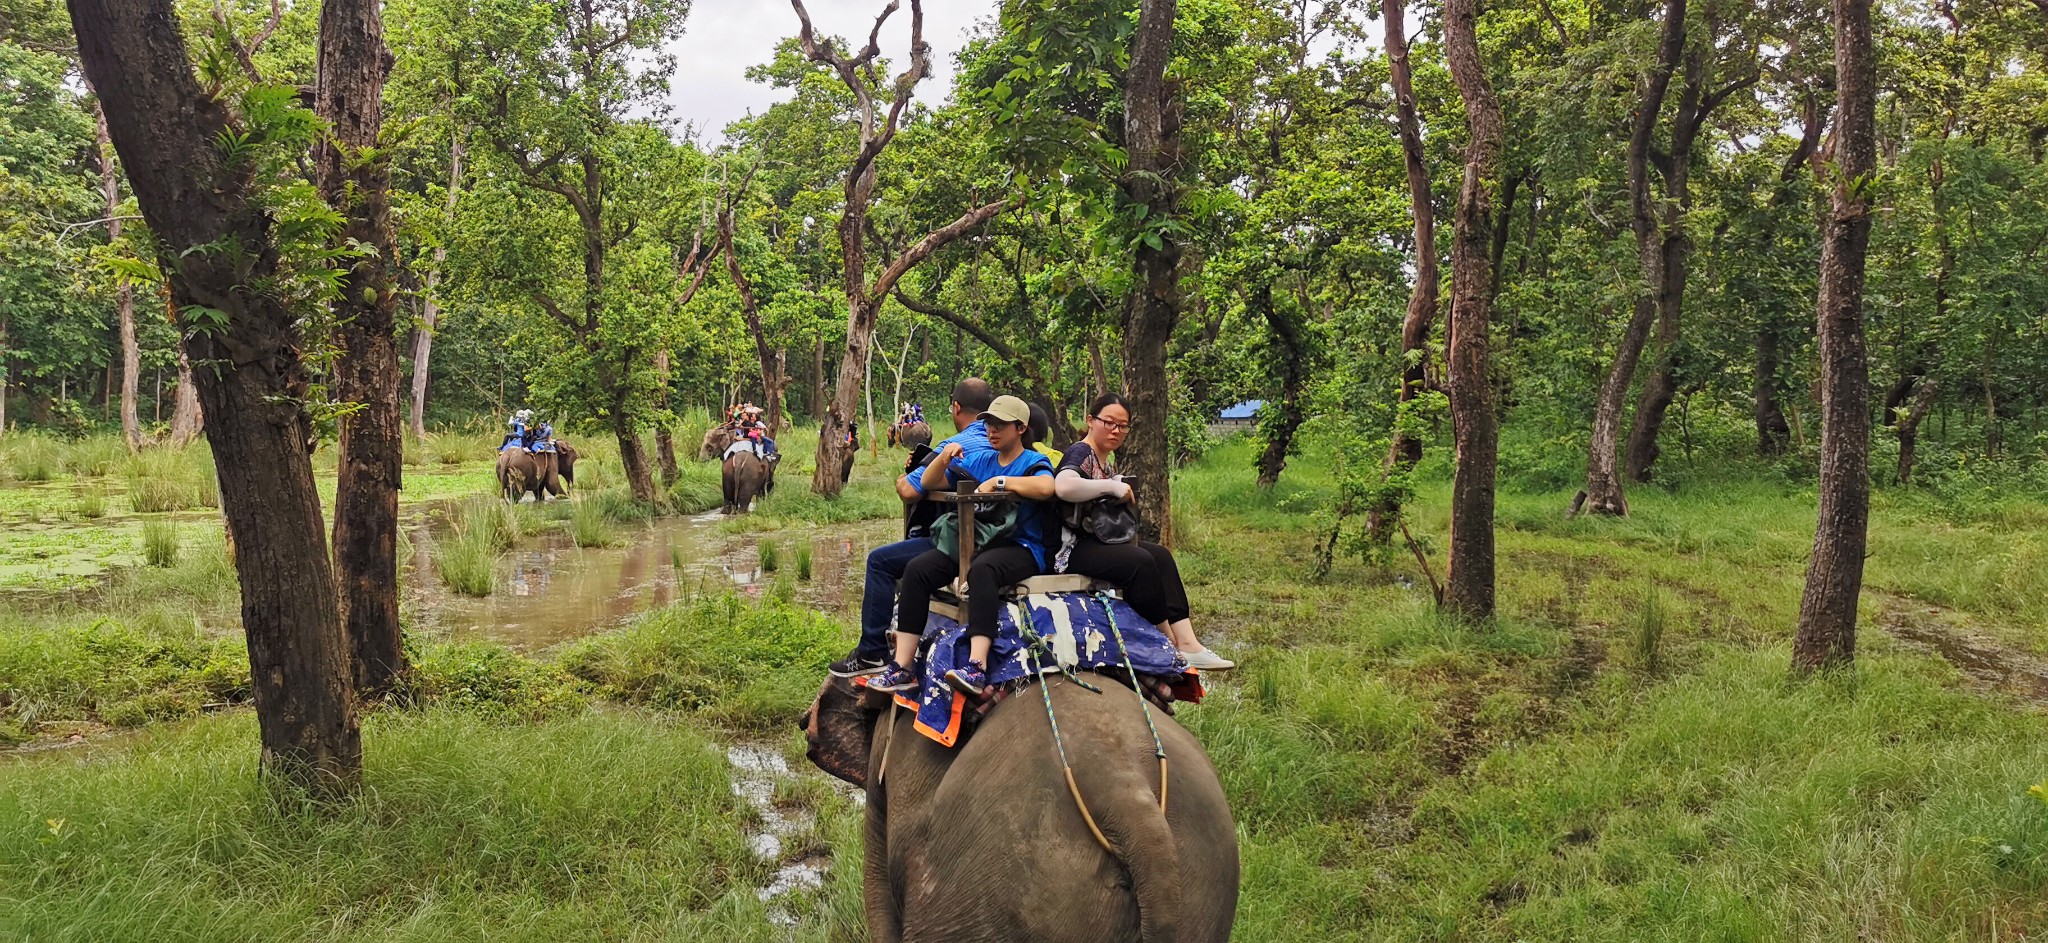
[(986, 842), (744, 476), (537, 472)]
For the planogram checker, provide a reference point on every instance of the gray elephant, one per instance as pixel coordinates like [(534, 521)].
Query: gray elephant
[(715, 443), (745, 476), (540, 474), (984, 842)]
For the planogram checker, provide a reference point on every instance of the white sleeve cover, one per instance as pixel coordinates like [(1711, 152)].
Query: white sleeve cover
[(1073, 486)]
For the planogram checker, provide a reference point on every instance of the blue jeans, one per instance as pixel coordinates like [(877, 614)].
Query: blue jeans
[(878, 596)]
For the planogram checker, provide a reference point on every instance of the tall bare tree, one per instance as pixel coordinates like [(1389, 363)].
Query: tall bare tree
[(1468, 590), (250, 376), (124, 293), (879, 121), (1834, 573), (1416, 324), (430, 314)]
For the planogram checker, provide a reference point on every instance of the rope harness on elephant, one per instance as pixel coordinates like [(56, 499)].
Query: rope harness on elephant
[(1038, 648), (1158, 748)]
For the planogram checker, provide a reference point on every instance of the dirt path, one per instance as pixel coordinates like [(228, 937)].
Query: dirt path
[(1983, 661)]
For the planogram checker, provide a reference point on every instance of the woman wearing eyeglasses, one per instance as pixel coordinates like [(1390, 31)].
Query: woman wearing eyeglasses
[(1146, 571)]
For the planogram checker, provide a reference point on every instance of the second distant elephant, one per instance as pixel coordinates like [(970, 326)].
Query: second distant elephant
[(745, 476), (540, 474), (715, 443)]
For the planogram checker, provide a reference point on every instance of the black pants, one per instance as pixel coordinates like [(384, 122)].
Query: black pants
[(993, 568), (1146, 571)]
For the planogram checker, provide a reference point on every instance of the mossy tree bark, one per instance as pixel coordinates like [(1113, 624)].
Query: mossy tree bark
[(249, 376)]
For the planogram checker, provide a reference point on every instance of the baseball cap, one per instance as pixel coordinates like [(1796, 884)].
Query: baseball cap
[(1007, 409)]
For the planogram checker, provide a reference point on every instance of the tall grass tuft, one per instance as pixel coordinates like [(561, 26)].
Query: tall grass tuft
[(589, 526), (489, 520), (771, 556), (160, 542), (1649, 632), (803, 561), (171, 480), (32, 456), (468, 563), (94, 456), (92, 504)]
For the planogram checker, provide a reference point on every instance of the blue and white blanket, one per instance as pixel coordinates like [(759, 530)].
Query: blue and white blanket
[(1076, 628)]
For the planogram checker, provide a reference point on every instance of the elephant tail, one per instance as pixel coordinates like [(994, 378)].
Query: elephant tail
[(1143, 843)]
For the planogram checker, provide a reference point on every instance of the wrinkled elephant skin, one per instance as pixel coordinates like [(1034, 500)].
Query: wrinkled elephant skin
[(715, 443), (540, 474), (983, 842), (745, 476)]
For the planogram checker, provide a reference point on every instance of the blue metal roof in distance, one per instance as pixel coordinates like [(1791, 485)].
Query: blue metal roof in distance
[(1249, 409)]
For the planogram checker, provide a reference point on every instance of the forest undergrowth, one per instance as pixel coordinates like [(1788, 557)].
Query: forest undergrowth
[(1622, 756)]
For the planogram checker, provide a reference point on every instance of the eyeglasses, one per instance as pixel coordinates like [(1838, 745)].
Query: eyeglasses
[(1112, 426)]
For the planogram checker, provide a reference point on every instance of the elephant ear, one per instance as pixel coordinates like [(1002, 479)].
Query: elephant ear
[(567, 462), (838, 730)]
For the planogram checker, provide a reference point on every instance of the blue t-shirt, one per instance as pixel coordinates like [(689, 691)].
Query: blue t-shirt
[(974, 437), (984, 464)]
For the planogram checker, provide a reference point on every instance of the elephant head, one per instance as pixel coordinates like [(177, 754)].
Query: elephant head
[(838, 730), (565, 461)]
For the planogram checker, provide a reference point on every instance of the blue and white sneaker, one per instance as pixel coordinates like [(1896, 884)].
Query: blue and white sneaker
[(893, 678), (969, 679)]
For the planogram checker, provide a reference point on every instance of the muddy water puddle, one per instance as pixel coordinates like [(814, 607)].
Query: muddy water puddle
[(548, 590), (756, 769)]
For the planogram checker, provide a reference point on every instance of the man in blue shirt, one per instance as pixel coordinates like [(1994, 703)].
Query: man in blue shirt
[(886, 563), (1005, 466)]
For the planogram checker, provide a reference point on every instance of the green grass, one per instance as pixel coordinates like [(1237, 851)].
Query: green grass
[(467, 562), (160, 542), (171, 480), (803, 561), (488, 522), (750, 667), (769, 556), (1622, 756), (91, 504), (602, 825), (589, 526), (30, 455)]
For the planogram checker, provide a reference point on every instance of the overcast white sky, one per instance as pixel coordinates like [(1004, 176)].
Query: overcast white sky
[(724, 37)]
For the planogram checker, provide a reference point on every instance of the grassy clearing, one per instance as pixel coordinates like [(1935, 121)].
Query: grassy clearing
[(1621, 757), (749, 667), (603, 825)]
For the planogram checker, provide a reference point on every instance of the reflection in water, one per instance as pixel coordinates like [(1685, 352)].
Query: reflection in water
[(549, 590)]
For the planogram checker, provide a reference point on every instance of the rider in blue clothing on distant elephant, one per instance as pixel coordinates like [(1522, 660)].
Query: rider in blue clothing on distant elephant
[(528, 435)]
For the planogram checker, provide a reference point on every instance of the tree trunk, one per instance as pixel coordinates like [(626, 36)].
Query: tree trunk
[(1289, 334), (1834, 573), (664, 436), (124, 293), (1909, 427), (818, 381), (187, 422), (1043, 388), (349, 97), (1151, 139), (1416, 324), (1772, 431), (1603, 494), (1096, 370), (164, 127), (430, 317), (1469, 585)]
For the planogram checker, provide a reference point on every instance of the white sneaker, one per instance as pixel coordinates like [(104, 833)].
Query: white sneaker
[(1208, 660)]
